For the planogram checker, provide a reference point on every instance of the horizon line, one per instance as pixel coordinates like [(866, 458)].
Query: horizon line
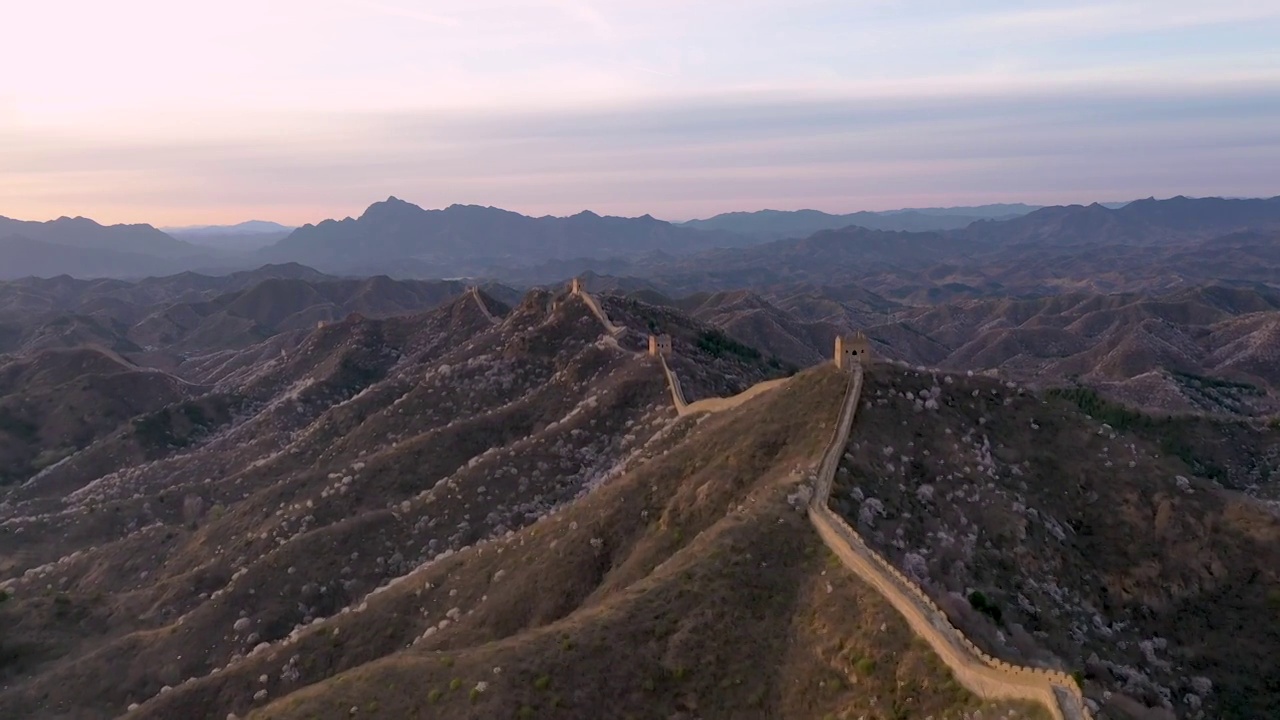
[(336, 218)]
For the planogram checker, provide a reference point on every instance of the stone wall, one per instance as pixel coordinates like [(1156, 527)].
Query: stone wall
[(475, 295), (677, 392), (982, 674), (596, 310)]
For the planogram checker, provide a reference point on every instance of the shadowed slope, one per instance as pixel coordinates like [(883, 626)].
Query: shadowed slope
[(1052, 539)]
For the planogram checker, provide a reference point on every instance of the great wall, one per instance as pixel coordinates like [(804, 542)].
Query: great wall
[(474, 292), (983, 675)]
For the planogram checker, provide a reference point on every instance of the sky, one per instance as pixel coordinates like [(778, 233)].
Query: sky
[(197, 112)]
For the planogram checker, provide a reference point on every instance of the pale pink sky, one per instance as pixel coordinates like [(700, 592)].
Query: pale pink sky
[(183, 112)]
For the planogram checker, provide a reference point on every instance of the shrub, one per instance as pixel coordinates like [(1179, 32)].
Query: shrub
[(454, 684), (865, 666), (717, 344), (1093, 405), (15, 425), (1204, 381), (543, 682), (434, 696), (985, 605), (1119, 417)]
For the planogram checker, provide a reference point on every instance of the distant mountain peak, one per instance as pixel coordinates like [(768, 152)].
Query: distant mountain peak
[(391, 206)]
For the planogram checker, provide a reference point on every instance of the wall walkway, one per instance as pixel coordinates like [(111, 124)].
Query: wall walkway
[(475, 295), (683, 407), (596, 310), (677, 392), (714, 404), (982, 674)]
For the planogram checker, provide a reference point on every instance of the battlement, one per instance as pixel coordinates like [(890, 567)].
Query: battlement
[(853, 349), (660, 345)]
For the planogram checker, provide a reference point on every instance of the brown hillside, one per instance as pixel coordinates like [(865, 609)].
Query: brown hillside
[(1057, 540), (57, 402), (665, 561)]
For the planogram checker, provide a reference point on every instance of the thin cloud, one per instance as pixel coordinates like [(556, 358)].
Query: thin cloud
[(395, 11), (584, 12), (1119, 17), (683, 159)]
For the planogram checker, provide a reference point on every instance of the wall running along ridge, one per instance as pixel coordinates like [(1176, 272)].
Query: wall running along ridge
[(677, 393), (594, 306), (985, 676), (713, 404), (475, 295)]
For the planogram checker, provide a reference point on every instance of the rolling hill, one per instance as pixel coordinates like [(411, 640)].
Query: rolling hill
[(780, 224), (163, 320), (84, 233), (465, 512)]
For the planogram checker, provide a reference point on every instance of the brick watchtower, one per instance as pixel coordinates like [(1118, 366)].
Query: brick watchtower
[(855, 348), (660, 345)]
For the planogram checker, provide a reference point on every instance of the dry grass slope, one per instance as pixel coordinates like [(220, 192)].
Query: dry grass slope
[(696, 562)]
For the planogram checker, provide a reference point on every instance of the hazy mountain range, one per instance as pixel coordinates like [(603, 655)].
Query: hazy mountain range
[(401, 239), (245, 237), (779, 224), (248, 227), (1145, 245)]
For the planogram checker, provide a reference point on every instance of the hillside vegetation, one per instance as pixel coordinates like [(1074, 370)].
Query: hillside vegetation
[(494, 511), (439, 517), (1055, 539)]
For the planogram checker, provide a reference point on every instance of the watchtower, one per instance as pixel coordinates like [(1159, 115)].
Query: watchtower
[(660, 345), (855, 348), (321, 323), (575, 287)]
